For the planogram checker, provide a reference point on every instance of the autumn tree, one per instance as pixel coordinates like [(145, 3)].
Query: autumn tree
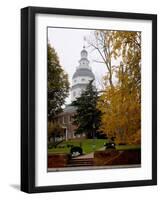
[(103, 44), (121, 114), (87, 117), (58, 84), (128, 48), (121, 103)]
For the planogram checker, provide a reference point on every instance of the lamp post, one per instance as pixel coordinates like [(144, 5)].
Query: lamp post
[(93, 127)]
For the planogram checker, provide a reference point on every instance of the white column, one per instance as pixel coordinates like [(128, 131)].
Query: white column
[(66, 132)]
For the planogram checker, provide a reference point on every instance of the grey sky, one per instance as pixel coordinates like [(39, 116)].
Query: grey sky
[(68, 44)]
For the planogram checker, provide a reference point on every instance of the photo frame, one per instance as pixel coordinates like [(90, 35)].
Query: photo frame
[(34, 38)]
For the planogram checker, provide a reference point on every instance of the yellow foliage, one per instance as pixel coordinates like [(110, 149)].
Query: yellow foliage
[(135, 138), (120, 103), (121, 113)]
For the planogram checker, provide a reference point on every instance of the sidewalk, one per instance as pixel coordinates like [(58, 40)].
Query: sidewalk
[(90, 155)]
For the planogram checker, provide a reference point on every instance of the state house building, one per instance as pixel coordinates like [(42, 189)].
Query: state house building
[(81, 78)]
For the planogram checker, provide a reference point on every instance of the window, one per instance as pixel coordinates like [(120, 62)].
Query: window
[(74, 94), (63, 119), (80, 92), (70, 118)]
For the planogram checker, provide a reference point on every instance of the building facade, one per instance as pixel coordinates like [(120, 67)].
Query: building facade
[(65, 119)]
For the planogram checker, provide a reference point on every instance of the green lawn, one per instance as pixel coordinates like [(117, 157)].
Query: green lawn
[(88, 145)]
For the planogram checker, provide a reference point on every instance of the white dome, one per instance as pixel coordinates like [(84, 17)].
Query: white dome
[(82, 76)]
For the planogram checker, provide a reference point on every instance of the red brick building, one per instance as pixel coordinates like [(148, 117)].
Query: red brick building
[(65, 119)]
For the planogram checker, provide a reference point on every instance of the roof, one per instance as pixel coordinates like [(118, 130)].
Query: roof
[(80, 85), (83, 72), (69, 108)]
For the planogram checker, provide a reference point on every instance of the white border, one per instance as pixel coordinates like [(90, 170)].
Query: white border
[(91, 176)]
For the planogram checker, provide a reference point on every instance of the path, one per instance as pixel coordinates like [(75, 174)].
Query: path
[(90, 155)]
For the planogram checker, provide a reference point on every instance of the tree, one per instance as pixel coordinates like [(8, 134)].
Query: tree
[(121, 115), (128, 47), (121, 103), (123, 46), (103, 44), (54, 130), (87, 117), (58, 84)]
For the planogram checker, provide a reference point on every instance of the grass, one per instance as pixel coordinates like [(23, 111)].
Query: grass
[(88, 145)]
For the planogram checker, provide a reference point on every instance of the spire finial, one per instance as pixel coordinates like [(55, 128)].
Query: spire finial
[(84, 40)]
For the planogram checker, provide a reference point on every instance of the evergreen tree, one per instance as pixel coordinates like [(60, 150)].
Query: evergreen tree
[(87, 117), (58, 84)]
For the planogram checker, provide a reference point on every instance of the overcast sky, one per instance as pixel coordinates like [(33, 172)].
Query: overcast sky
[(68, 44)]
